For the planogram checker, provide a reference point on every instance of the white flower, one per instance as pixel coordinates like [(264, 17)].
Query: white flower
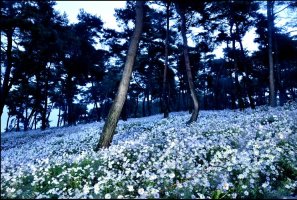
[(246, 193), (141, 191), (264, 185), (178, 185), (107, 196), (130, 188), (244, 186), (226, 186), (10, 190), (172, 175), (96, 188), (120, 197), (86, 189), (201, 196), (241, 176), (281, 136), (234, 195), (153, 177)]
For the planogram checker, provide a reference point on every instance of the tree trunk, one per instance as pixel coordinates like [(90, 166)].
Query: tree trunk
[(195, 112), (18, 123), (116, 108), (136, 107), (59, 117), (165, 88), (272, 97), (148, 104), (44, 111), (96, 101), (143, 105)]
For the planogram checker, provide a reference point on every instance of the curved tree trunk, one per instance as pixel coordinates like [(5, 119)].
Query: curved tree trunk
[(116, 108), (195, 112)]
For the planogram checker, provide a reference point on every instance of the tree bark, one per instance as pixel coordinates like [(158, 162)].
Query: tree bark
[(148, 104), (136, 107), (59, 117), (116, 108), (165, 88), (195, 112), (272, 97), (143, 105), (44, 111)]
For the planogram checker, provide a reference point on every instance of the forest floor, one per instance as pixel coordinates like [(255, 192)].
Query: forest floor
[(225, 154)]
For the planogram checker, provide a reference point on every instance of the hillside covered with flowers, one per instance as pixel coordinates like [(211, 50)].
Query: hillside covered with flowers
[(225, 154)]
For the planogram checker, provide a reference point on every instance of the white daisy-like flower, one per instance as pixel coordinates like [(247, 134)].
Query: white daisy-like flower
[(244, 186), (107, 196), (226, 186), (130, 188), (140, 191), (172, 175), (153, 177), (96, 188), (86, 189), (264, 185), (241, 176)]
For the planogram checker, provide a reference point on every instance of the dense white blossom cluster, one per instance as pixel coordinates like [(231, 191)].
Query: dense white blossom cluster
[(225, 154)]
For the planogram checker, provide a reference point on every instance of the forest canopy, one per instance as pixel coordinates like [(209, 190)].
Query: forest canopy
[(48, 63)]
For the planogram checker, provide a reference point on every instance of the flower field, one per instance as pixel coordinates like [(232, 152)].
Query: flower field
[(225, 154)]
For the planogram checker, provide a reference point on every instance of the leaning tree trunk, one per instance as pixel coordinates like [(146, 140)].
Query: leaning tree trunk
[(195, 112), (272, 97), (116, 108)]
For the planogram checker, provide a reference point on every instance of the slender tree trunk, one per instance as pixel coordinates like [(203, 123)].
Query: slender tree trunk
[(43, 117), (33, 121), (116, 108), (235, 57), (148, 104), (165, 88), (136, 107), (96, 101), (272, 97), (195, 112), (143, 106), (18, 124), (69, 99), (59, 117)]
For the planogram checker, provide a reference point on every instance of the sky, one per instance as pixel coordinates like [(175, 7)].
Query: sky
[(105, 10)]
